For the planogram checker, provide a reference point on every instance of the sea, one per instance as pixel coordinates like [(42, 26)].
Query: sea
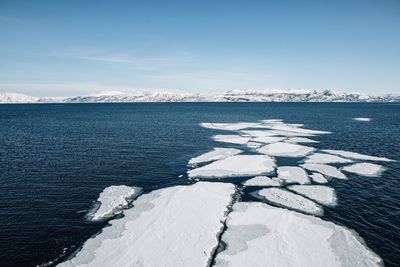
[(55, 159)]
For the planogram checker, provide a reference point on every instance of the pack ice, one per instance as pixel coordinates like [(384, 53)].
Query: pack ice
[(262, 181), (326, 159), (281, 149), (234, 139), (175, 226), (113, 199), (288, 199), (235, 166), (293, 174), (261, 235), (229, 126), (355, 155), (216, 154), (322, 194), (324, 169), (365, 169)]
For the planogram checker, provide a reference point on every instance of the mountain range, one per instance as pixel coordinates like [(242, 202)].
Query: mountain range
[(290, 95)]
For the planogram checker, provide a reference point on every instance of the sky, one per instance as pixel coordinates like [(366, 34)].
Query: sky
[(67, 48)]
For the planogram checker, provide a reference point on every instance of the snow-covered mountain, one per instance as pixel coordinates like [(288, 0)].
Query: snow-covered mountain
[(16, 98), (291, 95)]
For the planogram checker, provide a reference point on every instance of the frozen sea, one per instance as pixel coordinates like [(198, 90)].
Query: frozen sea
[(55, 160)]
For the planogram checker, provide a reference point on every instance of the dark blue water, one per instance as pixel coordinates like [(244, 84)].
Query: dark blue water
[(56, 159)]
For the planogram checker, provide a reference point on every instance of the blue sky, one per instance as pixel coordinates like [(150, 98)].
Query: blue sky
[(51, 48)]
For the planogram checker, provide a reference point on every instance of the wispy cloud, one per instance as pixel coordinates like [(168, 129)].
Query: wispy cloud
[(136, 61)]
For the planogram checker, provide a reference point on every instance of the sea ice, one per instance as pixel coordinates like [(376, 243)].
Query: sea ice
[(175, 226), (234, 139), (365, 169), (290, 134), (252, 144), (362, 119), (272, 121), (281, 149), (263, 181), (293, 174), (290, 200), (216, 154), (289, 128), (324, 169), (354, 155), (322, 194), (113, 199), (268, 139), (300, 140), (261, 235), (258, 133), (229, 126), (318, 178), (326, 159), (235, 166)]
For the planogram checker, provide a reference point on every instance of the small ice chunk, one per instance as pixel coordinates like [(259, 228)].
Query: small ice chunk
[(216, 154), (293, 174), (326, 159), (365, 169), (268, 139), (252, 144), (174, 226), (322, 194), (290, 200), (318, 178), (258, 133), (235, 166), (258, 234), (362, 119), (262, 181), (324, 169), (229, 126), (300, 140), (354, 155), (281, 149), (234, 139), (113, 200)]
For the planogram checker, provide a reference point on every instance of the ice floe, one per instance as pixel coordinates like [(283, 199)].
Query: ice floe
[(324, 195), (229, 126), (326, 159), (252, 144), (268, 139), (325, 170), (365, 169), (318, 178), (263, 181), (290, 200), (113, 200), (234, 139), (300, 140), (216, 154), (258, 133), (293, 174), (272, 121), (362, 119), (175, 226), (355, 155), (290, 128), (235, 166), (281, 149), (261, 235), (290, 134)]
